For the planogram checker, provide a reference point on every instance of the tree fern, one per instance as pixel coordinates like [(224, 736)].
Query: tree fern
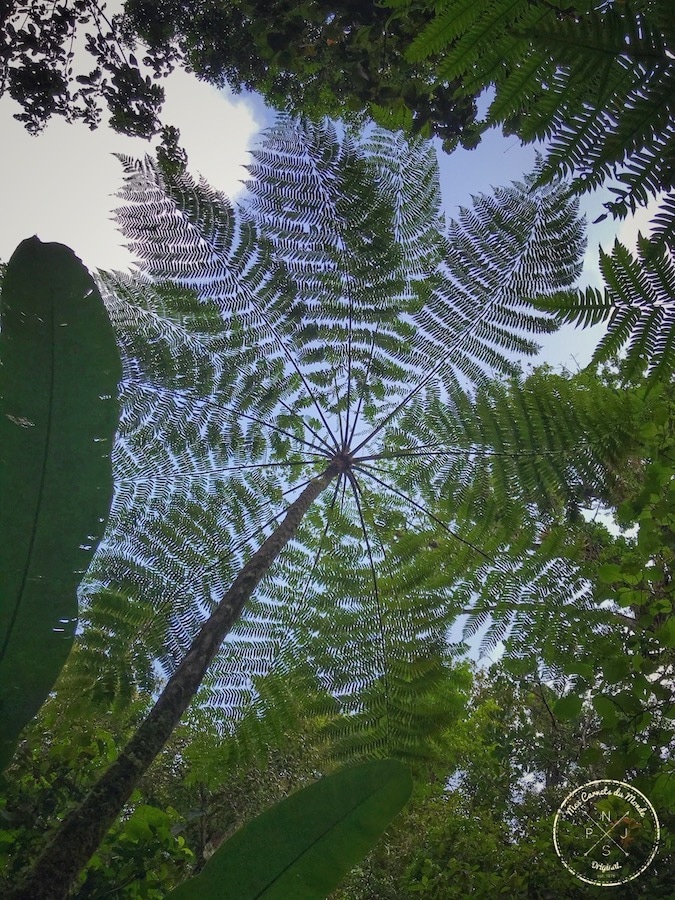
[(306, 417), (383, 310), (465, 291)]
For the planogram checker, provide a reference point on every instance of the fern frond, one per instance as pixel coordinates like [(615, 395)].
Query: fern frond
[(639, 305), (452, 20), (494, 250), (598, 83), (330, 317), (189, 234), (663, 223)]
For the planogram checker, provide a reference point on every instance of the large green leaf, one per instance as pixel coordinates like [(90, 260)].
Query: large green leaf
[(304, 846), (59, 369)]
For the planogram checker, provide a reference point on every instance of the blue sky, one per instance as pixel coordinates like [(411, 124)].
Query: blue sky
[(60, 184)]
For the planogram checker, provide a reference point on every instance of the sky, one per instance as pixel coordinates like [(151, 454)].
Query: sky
[(61, 184)]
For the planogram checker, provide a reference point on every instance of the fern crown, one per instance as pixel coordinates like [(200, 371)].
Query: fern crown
[(331, 319)]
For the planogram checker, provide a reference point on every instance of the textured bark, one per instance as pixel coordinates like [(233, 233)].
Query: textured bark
[(74, 842)]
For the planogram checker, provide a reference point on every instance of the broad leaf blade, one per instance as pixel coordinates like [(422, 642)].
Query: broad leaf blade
[(304, 846), (58, 414)]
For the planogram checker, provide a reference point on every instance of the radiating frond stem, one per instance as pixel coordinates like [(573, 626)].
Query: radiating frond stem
[(315, 402), (458, 340), (216, 470), (343, 430), (404, 402), (360, 490), (472, 449), (319, 549), (344, 491), (329, 450), (349, 349), (356, 489), (400, 406), (418, 450), (336, 218), (214, 405), (419, 506), (365, 382), (81, 832), (288, 434)]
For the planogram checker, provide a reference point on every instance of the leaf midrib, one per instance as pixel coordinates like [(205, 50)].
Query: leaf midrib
[(43, 476)]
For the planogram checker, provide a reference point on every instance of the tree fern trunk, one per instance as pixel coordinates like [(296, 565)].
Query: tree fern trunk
[(74, 842)]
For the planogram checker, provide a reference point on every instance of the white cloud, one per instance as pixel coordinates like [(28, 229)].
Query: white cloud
[(639, 222), (60, 184)]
